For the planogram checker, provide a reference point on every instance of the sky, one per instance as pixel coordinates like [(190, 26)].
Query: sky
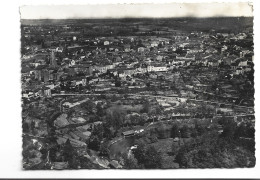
[(135, 10)]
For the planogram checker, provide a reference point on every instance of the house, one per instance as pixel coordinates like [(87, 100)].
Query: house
[(84, 82), (141, 69), (72, 63), (128, 133), (141, 49), (129, 71), (176, 139), (220, 128), (127, 48), (234, 65), (115, 165), (225, 111), (248, 68), (83, 135), (37, 92), (27, 95), (35, 64), (92, 81), (189, 87), (73, 142), (59, 49), (202, 86), (156, 68), (239, 71), (154, 44), (242, 63), (106, 43), (213, 63), (60, 165), (159, 58), (101, 69), (190, 57), (47, 91), (51, 86), (227, 61)]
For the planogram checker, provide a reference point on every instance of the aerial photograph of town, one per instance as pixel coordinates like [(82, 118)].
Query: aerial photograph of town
[(137, 93)]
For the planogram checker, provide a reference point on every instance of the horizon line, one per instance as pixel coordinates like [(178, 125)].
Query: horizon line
[(101, 18)]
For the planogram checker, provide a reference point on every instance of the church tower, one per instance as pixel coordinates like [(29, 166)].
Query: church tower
[(53, 62)]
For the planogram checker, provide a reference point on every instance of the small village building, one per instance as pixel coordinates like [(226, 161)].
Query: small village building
[(128, 133), (47, 91)]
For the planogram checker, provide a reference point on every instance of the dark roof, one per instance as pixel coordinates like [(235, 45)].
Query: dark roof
[(45, 88), (128, 132)]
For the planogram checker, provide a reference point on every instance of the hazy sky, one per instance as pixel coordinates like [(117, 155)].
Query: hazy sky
[(136, 10)]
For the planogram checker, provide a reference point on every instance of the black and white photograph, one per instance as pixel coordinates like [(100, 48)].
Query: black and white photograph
[(144, 90), (129, 89)]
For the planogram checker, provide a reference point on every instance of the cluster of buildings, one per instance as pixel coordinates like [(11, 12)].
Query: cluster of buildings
[(169, 66)]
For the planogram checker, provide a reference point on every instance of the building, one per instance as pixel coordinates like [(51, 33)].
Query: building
[(84, 82), (156, 68), (128, 133), (53, 62), (60, 165), (127, 48), (106, 43), (46, 75), (47, 91), (239, 71)]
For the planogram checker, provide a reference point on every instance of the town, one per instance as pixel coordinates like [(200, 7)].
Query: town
[(138, 93)]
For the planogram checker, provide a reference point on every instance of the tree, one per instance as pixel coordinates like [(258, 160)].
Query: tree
[(146, 107), (94, 143), (70, 155), (194, 132), (147, 156), (182, 158), (158, 110), (108, 134), (140, 152), (70, 112), (32, 126), (241, 131), (74, 163), (116, 118), (68, 150), (153, 138), (229, 128), (100, 110), (130, 162), (175, 149), (250, 132), (118, 83), (104, 151), (185, 131), (89, 106), (175, 131), (200, 129), (98, 130), (153, 159), (25, 127)]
